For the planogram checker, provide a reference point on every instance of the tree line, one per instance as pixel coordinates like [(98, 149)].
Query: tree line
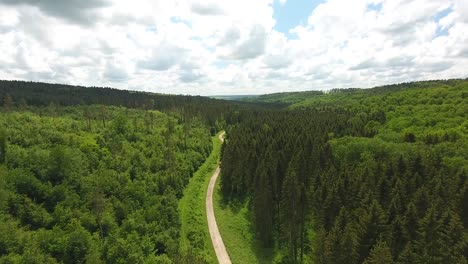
[(36, 94)]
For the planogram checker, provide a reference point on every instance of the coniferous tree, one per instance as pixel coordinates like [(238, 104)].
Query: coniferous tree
[(8, 102), (380, 254), (428, 244), (263, 203), (291, 208), (463, 205), (373, 226), (411, 222), (3, 145)]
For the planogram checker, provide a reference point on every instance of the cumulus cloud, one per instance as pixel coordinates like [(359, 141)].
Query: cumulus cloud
[(163, 57), (230, 36), (276, 61), (206, 9), (76, 11), (190, 76), (231, 46), (115, 73), (253, 46), (392, 63)]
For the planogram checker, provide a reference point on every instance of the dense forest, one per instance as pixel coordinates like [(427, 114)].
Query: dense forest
[(356, 176), (208, 110), (94, 183), (95, 175)]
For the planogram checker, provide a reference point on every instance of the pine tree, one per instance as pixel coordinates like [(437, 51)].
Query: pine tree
[(323, 246), (397, 236), (428, 244), (290, 208), (263, 204), (88, 115), (342, 242), (373, 226), (3, 146), (8, 102), (380, 254), (347, 250), (408, 255), (464, 204), (454, 238), (411, 222)]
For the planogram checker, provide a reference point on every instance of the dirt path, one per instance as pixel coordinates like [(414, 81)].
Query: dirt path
[(216, 239)]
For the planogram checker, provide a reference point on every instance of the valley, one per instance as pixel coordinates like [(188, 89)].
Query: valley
[(346, 176)]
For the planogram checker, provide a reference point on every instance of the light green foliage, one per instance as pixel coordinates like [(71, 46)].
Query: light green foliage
[(94, 184), (433, 114)]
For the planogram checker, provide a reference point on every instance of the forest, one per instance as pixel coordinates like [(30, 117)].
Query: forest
[(356, 176), (92, 184), (96, 175), (208, 110)]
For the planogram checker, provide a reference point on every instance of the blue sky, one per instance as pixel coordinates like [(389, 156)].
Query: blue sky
[(292, 13), (440, 15)]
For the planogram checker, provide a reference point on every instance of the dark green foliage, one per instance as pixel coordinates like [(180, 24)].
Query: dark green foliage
[(212, 111), (59, 165), (3, 146), (379, 174), (380, 254)]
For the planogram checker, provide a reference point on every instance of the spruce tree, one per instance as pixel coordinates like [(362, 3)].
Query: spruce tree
[(290, 208), (374, 223), (3, 145), (380, 254)]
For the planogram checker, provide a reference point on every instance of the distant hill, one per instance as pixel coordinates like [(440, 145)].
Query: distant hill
[(37, 93), (43, 94), (345, 96)]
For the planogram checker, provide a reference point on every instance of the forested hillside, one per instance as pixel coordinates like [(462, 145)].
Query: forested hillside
[(76, 189), (353, 176), (20, 93), (96, 175)]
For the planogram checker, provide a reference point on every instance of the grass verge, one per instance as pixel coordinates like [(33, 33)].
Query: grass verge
[(194, 236), (237, 232)]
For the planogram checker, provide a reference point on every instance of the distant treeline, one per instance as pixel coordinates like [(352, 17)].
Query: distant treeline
[(42, 94), (296, 98)]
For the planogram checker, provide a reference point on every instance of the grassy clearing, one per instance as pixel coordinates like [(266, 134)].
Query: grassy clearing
[(195, 238), (237, 232)]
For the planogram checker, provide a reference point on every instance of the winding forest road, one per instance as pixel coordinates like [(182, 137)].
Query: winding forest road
[(216, 239)]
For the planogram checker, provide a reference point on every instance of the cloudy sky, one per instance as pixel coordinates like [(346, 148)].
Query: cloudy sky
[(233, 46)]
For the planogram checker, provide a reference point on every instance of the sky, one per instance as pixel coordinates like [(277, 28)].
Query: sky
[(233, 47)]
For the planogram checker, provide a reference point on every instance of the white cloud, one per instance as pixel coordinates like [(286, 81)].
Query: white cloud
[(252, 47), (230, 36), (83, 12), (231, 47), (206, 9), (163, 57)]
